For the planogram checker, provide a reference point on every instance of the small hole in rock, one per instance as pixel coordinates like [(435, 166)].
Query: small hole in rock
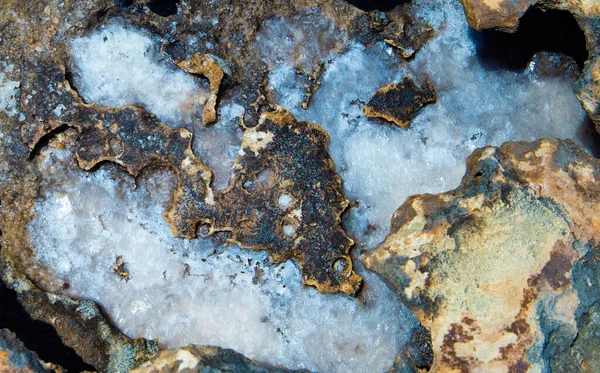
[(267, 178), (382, 5), (203, 230), (116, 147), (163, 8), (289, 230), (340, 265)]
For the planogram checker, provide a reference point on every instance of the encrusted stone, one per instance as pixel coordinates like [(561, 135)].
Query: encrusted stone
[(500, 270), (400, 102), (203, 359)]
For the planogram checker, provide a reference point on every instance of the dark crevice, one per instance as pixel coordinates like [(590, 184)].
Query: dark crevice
[(71, 80), (539, 30), (43, 142), (37, 336), (125, 3), (163, 8), (381, 5), (589, 137)]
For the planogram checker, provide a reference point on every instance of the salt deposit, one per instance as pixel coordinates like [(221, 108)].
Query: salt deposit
[(304, 40), (198, 291), (382, 165), (119, 65), (9, 91)]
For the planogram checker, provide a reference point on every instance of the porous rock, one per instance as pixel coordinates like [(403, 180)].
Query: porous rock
[(503, 270)]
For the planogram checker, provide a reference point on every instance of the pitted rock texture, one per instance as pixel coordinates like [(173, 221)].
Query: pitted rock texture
[(500, 269), (505, 15), (400, 102), (293, 212), (204, 359), (298, 162)]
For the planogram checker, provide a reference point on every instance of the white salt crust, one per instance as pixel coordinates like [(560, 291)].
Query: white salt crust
[(119, 65), (292, 41), (9, 91), (198, 291), (381, 165)]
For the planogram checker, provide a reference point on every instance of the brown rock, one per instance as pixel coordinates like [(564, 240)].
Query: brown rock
[(399, 103), (278, 157), (489, 267), (207, 66), (203, 359)]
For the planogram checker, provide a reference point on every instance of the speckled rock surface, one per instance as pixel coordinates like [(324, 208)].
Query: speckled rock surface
[(284, 195), (205, 359), (505, 15), (503, 270)]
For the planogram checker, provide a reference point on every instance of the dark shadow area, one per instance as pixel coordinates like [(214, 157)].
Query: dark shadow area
[(37, 336), (163, 8), (45, 140), (539, 30), (382, 5), (589, 137), (125, 3)]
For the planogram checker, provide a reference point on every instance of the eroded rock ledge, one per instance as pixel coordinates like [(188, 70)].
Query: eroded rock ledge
[(504, 270)]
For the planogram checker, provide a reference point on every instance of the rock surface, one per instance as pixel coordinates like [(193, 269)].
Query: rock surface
[(15, 358), (399, 103), (503, 270), (204, 359), (505, 15), (39, 98), (284, 196)]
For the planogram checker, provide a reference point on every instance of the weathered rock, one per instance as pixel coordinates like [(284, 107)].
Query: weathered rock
[(399, 103), (34, 44), (204, 359), (505, 15), (291, 156), (500, 270), (589, 90), (15, 358), (207, 66)]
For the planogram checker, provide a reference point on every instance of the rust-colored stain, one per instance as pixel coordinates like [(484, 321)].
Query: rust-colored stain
[(207, 66)]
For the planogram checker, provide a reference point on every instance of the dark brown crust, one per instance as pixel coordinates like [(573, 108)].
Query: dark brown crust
[(400, 102)]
